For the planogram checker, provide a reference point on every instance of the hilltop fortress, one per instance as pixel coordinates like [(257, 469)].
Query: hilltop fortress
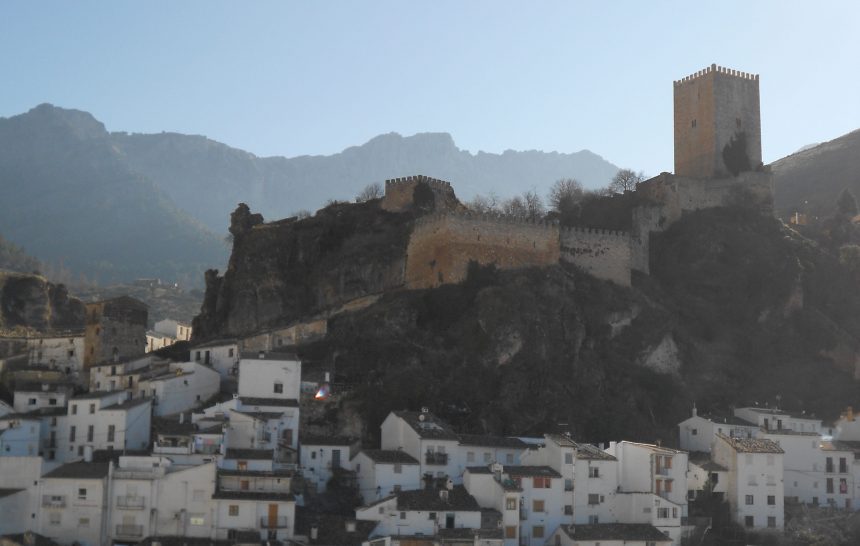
[(418, 235)]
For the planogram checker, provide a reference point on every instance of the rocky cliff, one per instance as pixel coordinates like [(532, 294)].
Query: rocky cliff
[(738, 309), (31, 302)]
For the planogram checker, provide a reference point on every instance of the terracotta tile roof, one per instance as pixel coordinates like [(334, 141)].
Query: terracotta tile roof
[(752, 445), (616, 531), (458, 499)]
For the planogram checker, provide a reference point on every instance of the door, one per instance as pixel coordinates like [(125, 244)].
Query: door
[(335, 458), (273, 516), (449, 521)]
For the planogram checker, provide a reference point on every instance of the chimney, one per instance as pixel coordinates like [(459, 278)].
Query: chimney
[(88, 454), (443, 494), (314, 531), (350, 526), (695, 412), (181, 418)]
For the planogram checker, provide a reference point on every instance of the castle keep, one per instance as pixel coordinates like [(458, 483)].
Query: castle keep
[(717, 123)]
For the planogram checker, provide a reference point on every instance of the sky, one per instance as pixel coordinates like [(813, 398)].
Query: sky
[(296, 78)]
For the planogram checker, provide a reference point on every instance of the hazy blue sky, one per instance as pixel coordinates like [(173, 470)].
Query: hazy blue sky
[(281, 78)]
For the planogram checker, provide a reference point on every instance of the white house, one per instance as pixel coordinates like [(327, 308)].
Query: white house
[(180, 331), (20, 503), (320, 457), (422, 512), (19, 435), (755, 485), (704, 475), (184, 505), (63, 352), (248, 459), (221, 354), (383, 472), (773, 419), (157, 340), (115, 376), (478, 449), (133, 497), (53, 424), (74, 503), (608, 534), (33, 395), (494, 491), (270, 375), (254, 500), (105, 420), (180, 387), (698, 432), (426, 438)]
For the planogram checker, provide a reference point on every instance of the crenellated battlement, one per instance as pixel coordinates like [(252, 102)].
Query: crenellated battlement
[(500, 219), (714, 68), (435, 183), (595, 231)]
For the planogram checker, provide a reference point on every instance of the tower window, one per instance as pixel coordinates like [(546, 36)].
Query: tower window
[(694, 124)]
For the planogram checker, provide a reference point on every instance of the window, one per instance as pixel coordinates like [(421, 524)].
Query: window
[(843, 486), (470, 456), (694, 432), (568, 458), (92, 409), (197, 520), (568, 485), (674, 513), (398, 468), (74, 409), (541, 482), (488, 457), (593, 498), (52, 401), (829, 464), (233, 510), (537, 531), (397, 488), (771, 500), (80, 451), (667, 486), (82, 493), (509, 458), (511, 531), (72, 430), (749, 500), (431, 515), (593, 520), (593, 472), (830, 485), (568, 510), (663, 513), (537, 505), (31, 402), (771, 522), (279, 387), (511, 503), (244, 485), (693, 124), (83, 522), (90, 433), (843, 465), (402, 515), (749, 521), (111, 431), (230, 352)]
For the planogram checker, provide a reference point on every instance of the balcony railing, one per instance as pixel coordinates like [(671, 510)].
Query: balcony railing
[(51, 502), (433, 457), (278, 522), (129, 502), (129, 530)]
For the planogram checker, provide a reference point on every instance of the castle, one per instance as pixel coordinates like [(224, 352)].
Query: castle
[(717, 163)]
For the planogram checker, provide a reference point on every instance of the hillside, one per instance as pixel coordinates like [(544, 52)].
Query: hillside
[(68, 196), (810, 180), (207, 178), (738, 309)]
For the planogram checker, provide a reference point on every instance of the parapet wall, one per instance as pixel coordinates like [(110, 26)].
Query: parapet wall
[(399, 191), (601, 253), (443, 244)]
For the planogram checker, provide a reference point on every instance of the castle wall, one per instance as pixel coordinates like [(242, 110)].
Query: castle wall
[(443, 244), (114, 329), (711, 107), (601, 253), (399, 191)]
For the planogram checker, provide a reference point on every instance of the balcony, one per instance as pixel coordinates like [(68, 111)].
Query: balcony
[(129, 502), (129, 531), (53, 501), (436, 458), (168, 449), (662, 471), (279, 522)]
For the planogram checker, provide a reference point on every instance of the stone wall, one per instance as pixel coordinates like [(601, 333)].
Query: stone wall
[(601, 253), (443, 244), (115, 329)]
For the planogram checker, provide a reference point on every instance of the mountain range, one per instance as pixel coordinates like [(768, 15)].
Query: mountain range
[(113, 206)]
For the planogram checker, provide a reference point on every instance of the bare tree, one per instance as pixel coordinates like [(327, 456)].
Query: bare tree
[(565, 193), (534, 205), (485, 204), (302, 214), (514, 206), (371, 191), (625, 180)]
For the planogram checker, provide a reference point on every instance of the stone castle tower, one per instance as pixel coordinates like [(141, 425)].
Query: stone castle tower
[(717, 123)]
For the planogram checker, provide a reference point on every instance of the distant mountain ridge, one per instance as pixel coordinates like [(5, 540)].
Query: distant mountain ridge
[(208, 178), (68, 196)]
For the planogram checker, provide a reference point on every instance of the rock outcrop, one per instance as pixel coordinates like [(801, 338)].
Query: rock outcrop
[(31, 302)]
